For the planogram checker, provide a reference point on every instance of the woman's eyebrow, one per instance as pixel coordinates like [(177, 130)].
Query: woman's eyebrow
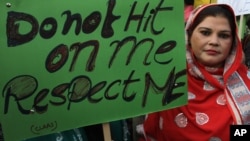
[(207, 28), (228, 31), (201, 27)]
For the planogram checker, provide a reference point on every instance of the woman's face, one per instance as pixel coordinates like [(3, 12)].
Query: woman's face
[(211, 41)]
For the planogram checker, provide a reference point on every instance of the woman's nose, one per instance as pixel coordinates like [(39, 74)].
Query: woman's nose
[(214, 40)]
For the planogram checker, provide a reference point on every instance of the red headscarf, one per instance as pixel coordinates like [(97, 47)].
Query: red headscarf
[(234, 71)]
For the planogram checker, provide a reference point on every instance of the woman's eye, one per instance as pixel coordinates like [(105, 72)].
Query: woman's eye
[(224, 36), (205, 33)]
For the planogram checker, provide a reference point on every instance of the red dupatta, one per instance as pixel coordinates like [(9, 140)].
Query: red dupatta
[(235, 83)]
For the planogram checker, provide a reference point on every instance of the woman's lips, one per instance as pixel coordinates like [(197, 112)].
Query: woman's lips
[(211, 52)]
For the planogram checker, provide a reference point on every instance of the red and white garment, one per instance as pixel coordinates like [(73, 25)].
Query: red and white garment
[(217, 98)]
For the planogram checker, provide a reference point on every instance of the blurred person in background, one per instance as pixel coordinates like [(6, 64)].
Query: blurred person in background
[(188, 8)]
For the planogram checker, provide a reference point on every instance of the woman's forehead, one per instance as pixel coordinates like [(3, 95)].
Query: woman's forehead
[(219, 22)]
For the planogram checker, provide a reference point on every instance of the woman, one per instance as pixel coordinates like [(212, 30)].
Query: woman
[(218, 86)]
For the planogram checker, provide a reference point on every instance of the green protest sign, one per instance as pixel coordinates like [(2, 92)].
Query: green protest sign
[(67, 64)]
